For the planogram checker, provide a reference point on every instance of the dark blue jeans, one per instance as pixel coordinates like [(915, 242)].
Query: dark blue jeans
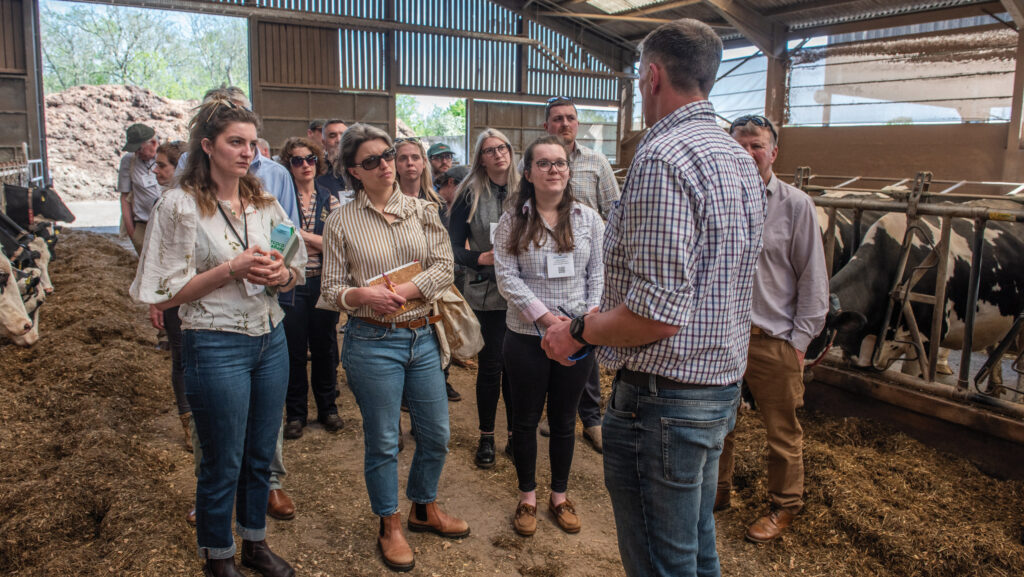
[(235, 385), (316, 331), (661, 450)]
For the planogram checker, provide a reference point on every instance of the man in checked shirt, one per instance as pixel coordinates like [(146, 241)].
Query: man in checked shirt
[(680, 252)]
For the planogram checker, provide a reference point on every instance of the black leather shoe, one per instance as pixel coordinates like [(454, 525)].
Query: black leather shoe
[(333, 423), (221, 568), (293, 429), (453, 395), (485, 452), (256, 555)]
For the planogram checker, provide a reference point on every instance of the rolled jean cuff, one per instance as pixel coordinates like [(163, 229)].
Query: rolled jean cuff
[(250, 534), (217, 553), (275, 482)]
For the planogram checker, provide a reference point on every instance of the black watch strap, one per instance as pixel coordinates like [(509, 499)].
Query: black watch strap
[(576, 328)]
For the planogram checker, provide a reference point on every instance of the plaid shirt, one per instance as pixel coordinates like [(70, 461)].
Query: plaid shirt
[(593, 182), (523, 279), (682, 246)]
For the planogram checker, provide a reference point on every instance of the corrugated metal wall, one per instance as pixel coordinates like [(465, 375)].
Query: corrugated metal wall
[(17, 82), (12, 37), (291, 55)]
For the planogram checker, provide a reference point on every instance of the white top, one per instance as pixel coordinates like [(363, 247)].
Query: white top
[(181, 243)]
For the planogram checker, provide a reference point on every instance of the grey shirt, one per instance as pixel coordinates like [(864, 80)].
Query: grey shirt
[(136, 176), (791, 284)]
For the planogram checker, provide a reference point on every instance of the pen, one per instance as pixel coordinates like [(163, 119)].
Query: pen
[(391, 286)]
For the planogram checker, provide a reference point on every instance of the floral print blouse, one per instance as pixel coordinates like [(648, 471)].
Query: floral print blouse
[(181, 243)]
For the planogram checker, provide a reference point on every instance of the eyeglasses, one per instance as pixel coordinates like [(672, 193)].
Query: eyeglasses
[(444, 156), (297, 161), (548, 166), (757, 119), (496, 150), (372, 162)]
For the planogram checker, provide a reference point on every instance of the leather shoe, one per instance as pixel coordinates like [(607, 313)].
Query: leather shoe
[(485, 452), (191, 517), (465, 363), (257, 555), (723, 499), (430, 518), (393, 547), (293, 429), (453, 395), (280, 505), (770, 526), (525, 520), (593, 436), (565, 515), (221, 568), (544, 428), (333, 423)]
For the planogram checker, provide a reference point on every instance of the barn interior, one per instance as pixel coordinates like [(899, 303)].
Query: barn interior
[(921, 100)]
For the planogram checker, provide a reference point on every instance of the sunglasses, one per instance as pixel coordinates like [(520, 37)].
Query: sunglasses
[(757, 120), (297, 161), (557, 101), (444, 156), (411, 139), (372, 162)]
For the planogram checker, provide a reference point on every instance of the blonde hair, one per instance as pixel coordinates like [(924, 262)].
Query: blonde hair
[(426, 177), (476, 184)]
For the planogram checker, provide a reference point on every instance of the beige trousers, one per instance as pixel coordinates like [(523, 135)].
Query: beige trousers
[(775, 379)]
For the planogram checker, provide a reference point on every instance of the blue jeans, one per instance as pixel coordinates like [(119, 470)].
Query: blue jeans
[(235, 385), (382, 364), (661, 450)]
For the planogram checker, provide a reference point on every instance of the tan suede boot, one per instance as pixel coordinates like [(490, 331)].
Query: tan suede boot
[(430, 517), (393, 547), (185, 420)]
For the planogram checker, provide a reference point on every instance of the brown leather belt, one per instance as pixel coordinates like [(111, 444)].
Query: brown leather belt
[(756, 330), (643, 380), (413, 324)]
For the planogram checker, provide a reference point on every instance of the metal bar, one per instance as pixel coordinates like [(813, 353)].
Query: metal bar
[(973, 212), (915, 335), (952, 188), (851, 181), (977, 250), (857, 217), (830, 241), (939, 308)]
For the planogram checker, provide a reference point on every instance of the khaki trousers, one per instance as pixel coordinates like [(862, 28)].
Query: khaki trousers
[(775, 380), (139, 237)]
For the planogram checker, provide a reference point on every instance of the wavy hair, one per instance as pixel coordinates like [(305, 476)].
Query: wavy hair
[(212, 118), (353, 138), (528, 226), (289, 146), (476, 184)]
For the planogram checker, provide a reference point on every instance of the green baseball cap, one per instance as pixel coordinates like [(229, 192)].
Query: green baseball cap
[(439, 148), (136, 136)]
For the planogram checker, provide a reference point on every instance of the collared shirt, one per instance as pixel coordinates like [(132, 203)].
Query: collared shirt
[(275, 179), (681, 248), (308, 222), (335, 184), (593, 182), (791, 283), (136, 176), (359, 244), (181, 243), (525, 282)]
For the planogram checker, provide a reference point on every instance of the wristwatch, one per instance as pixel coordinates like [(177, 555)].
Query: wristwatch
[(576, 328)]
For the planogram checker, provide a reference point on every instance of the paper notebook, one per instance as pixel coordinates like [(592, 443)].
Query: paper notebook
[(399, 275)]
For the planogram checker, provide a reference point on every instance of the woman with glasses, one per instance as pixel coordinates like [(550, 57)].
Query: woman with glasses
[(390, 347), (478, 205), (208, 251), (307, 327), (547, 253)]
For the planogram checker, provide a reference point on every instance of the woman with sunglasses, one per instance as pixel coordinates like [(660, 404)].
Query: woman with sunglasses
[(208, 251), (479, 202), (390, 347), (547, 252), (307, 327)]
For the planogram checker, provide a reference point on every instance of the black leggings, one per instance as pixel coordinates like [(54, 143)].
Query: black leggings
[(533, 378), (491, 381)]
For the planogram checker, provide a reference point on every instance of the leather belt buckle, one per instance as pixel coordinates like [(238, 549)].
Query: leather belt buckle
[(417, 323)]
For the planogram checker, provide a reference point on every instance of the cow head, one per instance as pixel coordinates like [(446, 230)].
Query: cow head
[(48, 204), (14, 319), (838, 323)]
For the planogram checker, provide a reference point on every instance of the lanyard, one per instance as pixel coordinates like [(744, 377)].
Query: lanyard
[(302, 213), (245, 225)]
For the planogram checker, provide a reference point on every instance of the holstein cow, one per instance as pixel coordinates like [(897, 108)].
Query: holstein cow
[(15, 322), (861, 289), (45, 203)]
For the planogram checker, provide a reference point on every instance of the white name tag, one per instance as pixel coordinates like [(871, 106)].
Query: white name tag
[(561, 265), (494, 227), (253, 289)]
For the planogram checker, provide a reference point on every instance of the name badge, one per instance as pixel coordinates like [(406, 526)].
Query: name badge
[(494, 227), (561, 265), (252, 289)]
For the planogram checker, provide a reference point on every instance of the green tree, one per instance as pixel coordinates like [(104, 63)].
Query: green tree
[(406, 111), (449, 121)]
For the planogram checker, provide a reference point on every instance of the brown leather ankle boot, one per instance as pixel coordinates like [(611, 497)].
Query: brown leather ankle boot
[(393, 547), (430, 517), (221, 568)]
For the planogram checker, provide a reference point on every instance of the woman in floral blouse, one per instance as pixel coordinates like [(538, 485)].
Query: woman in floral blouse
[(207, 250)]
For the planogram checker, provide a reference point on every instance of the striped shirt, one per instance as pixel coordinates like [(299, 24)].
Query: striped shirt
[(682, 246), (359, 244), (308, 218), (525, 282)]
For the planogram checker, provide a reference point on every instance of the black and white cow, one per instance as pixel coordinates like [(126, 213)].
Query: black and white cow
[(843, 251), (16, 323), (44, 202), (861, 289)]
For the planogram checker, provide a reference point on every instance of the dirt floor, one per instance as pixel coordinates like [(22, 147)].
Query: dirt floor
[(96, 482)]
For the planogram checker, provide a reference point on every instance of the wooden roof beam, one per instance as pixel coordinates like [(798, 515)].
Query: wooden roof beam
[(663, 7), (1016, 10), (763, 32)]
